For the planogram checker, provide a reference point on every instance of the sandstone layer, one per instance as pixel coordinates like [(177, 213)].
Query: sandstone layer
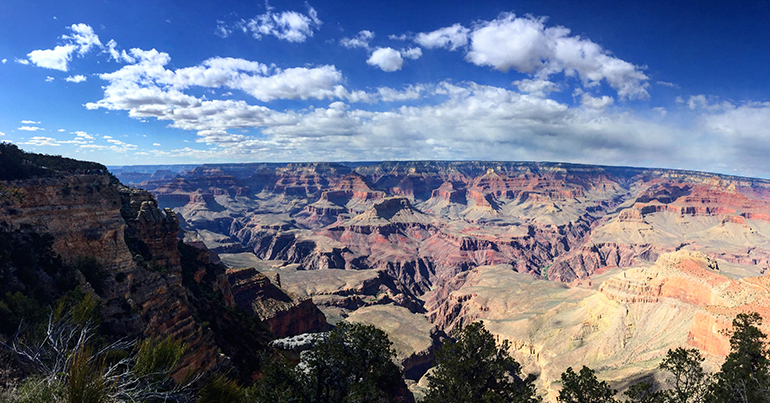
[(623, 263)]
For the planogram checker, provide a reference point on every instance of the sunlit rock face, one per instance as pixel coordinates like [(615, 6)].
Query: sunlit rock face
[(87, 216), (576, 264)]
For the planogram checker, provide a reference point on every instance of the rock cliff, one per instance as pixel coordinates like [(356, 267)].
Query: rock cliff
[(544, 252)]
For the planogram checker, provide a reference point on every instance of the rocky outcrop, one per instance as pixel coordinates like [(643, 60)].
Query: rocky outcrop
[(286, 314), (88, 217), (81, 212)]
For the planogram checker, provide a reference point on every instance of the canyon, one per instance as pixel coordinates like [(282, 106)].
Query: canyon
[(574, 264)]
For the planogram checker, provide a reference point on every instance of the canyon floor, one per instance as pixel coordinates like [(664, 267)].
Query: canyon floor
[(576, 265)]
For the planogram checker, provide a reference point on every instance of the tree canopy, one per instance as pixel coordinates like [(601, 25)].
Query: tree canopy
[(745, 374), (584, 387), (473, 368)]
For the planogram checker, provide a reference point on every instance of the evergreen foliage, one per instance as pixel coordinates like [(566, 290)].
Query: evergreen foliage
[(689, 379), (220, 389), (643, 392), (19, 164), (745, 374), (352, 363), (583, 387), (32, 277), (473, 368)]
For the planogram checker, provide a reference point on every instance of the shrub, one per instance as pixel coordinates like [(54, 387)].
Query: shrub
[(220, 389), (157, 358)]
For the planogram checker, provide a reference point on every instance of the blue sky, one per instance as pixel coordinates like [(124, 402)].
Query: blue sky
[(665, 84)]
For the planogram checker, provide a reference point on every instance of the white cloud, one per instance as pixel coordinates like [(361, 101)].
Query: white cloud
[(30, 122), (2, 134), (661, 110), (667, 84), (118, 56), (290, 26), (156, 144), (82, 40), (259, 80), (22, 61), (83, 37), (49, 79), (710, 104), (409, 93), (401, 37), (62, 130), (591, 102), (387, 59), (30, 128), (42, 141), (76, 79), (527, 46), (451, 121), (451, 38), (56, 58), (84, 135), (361, 40), (5, 61), (539, 88), (411, 53)]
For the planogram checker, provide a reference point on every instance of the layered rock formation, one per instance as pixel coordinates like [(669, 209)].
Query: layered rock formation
[(85, 215), (461, 241), (285, 313)]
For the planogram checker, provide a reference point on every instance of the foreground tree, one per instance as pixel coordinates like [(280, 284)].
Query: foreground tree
[(643, 392), (583, 387), (352, 363), (473, 368), (745, 374), (689, 379)]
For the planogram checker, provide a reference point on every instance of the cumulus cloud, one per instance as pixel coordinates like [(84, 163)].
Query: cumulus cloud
[(84, 135), (462, 120), (591, 102), (30, 128), (5, 61), (539, 88), (526, 45), (387, 59), (81, 41), (290, 26), (411, 53), (361, 40), (451, 38), (411, 92), (118, 56), (148, 82), (49, 79), (702, 102), (30, 122), (76, 79)]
